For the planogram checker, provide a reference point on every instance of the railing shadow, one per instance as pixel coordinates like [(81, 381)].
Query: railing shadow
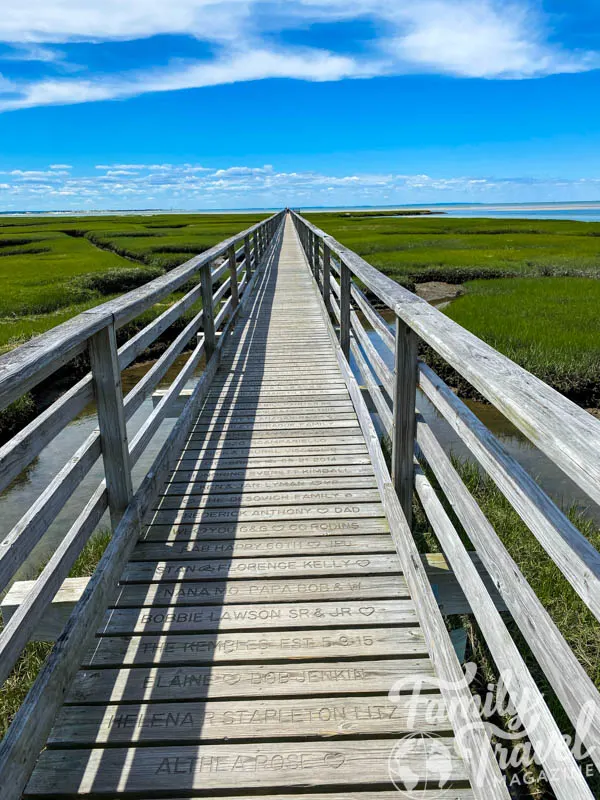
[(164, 625)]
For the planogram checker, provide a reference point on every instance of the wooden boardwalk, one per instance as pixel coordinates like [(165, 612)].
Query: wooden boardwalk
[(263, 616)]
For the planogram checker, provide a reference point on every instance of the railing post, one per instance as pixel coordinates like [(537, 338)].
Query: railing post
[(345, 309), (404, 419), (327, 277), (104, 361), (257, 245), (260, 242), (235, 299), (316, 257), (248, 256), (208, 314)]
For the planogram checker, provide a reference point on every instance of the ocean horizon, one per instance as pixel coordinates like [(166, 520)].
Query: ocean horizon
[(585, 211)]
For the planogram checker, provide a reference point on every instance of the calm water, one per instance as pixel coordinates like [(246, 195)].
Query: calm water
[(18, 497), (578, 214)]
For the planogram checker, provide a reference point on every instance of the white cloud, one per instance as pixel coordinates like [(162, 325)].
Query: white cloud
[(481, 39), (464, 38), (33, 52), (193, 187), (243, 66)]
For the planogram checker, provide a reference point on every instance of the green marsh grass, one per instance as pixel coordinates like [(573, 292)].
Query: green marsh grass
[(550, 326), (531, 286), (52, 269)]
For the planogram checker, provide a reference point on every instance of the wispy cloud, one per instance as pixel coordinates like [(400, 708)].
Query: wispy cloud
[(194, 186), (312, 65), (463, 38)]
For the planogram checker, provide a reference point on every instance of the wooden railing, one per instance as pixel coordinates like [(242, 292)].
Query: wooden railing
[(222, 289), (567, 434)]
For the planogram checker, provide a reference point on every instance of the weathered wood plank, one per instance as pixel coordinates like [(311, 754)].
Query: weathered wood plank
[(213, 487), (258, 393), (277, 469), (168, 532), (258, 427), (361, 587), (329, 545), (202, 683), (312, 566), (262, 417), (260, 646), (272, 447), (222, 767), (278, 498), (221, 435), (242, 720), (258, 616), (354, 510)]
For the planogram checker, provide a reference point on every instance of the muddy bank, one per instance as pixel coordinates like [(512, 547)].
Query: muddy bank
[(439, 293)]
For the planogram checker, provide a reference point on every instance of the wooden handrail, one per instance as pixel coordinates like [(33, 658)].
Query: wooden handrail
[(28, 365), (566, 433)]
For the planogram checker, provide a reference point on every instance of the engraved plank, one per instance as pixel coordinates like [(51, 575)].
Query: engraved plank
[(142, 572), (314, 483), (367, 587), (306, 414), (222, 767), (321, 459), (259, 646), (276, 384), (200, 722), (289, 369), (209, 500), (201, 683), (278, 405), (215, 436), (255, 425), (243, 513), (156, 551), (208, 456), (258, 393), (287, 616), (228, 530), (320, 361), (261, 443), (274, 476)]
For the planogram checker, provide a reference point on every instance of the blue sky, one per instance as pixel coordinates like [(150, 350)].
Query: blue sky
[(252, 103)]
